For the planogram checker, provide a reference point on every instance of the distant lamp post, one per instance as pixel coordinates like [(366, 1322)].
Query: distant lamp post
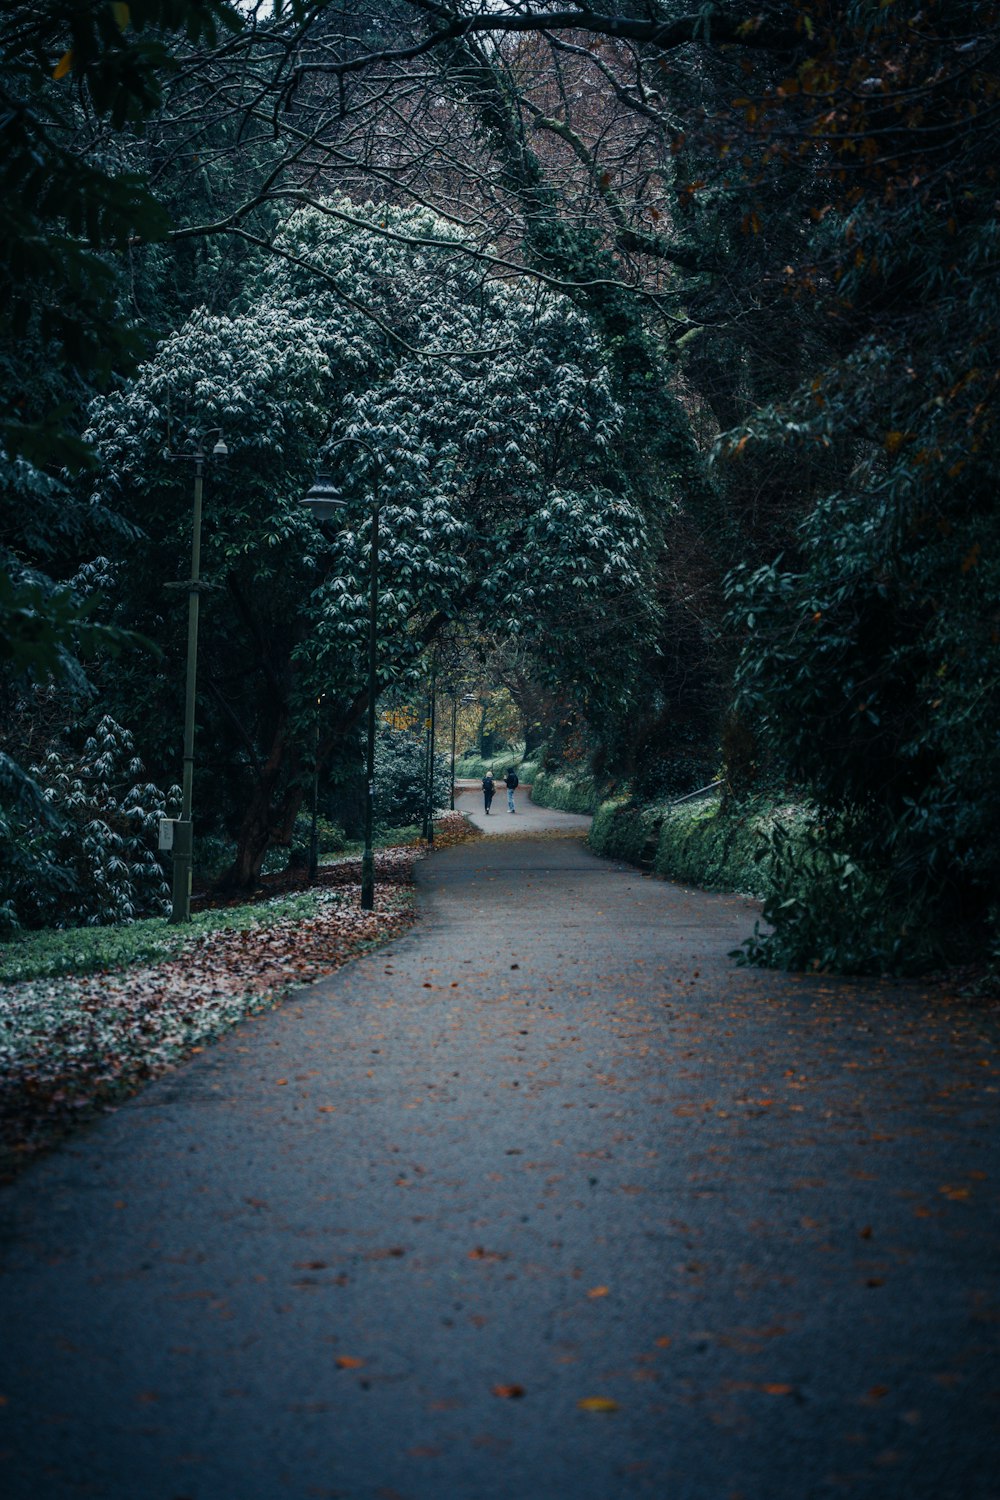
[(428, 829), (313, 869), (182, 838), (324, 502), (466, 698)]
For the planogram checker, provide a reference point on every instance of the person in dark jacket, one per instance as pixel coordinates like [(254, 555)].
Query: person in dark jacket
[(489, 787), (511, 783)]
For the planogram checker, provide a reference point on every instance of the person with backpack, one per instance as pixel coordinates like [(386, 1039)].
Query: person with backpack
[(489, 786), (512, 784)]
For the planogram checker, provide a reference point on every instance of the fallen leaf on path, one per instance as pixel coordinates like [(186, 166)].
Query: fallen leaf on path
[(348, 1362), (598, 1291), (598, 1403), (509, 1392)]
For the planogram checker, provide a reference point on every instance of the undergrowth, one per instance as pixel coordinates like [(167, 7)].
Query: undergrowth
[(575, 794), (823, 910)]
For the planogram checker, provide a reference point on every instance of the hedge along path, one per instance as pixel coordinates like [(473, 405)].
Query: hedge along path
[(74, 1047)]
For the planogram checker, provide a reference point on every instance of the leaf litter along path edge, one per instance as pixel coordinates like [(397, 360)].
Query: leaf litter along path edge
[(545, 1200), (71, 1048)]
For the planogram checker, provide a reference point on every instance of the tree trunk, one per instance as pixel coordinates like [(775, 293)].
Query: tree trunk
[(261, 821)]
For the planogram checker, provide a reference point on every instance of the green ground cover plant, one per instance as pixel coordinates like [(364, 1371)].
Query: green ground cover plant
[(54, 952), (575, 794)]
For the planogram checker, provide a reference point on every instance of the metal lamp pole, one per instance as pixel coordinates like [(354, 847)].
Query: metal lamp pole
[(314, 823), (466, 698), (368, 857), (454, 733), (182, 835), (431, 733), (323, 500)]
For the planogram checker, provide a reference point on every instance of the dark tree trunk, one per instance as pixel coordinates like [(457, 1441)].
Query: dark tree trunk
[(262, 821)]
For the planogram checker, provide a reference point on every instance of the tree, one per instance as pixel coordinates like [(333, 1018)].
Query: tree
[(493, 422)]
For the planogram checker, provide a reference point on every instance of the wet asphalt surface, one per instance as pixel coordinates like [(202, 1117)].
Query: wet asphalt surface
[(551, 1147)]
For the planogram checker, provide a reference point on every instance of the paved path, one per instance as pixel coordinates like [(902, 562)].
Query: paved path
[(550, 1141), (527, 818)]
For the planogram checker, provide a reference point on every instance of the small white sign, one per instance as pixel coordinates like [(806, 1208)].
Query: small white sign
[(166, 834)]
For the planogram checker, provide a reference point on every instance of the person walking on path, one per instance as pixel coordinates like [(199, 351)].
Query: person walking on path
[(512, 784), (489, 787)]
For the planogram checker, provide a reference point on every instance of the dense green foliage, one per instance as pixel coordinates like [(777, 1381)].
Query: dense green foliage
[(568, 793)]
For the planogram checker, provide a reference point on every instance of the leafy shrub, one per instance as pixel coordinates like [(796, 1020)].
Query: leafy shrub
[(27, 870), (719, 847), (399, 779), (330, 839), (92, 851), (828, 913), (212, 855), (622, 830), (576, 794)]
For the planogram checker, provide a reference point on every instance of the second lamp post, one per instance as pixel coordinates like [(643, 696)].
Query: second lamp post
[(324, 502)]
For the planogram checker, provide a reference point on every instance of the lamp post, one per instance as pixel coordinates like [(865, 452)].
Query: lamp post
[(431, 732), (454, 731), (466, 698), (182, 838), (313, 870), (324, 501)]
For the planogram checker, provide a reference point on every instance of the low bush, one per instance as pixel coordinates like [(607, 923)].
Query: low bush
[(575, 794), (718, 848), (399, 779), (623, 830), (829, 913), (81, 845), (822, 909)]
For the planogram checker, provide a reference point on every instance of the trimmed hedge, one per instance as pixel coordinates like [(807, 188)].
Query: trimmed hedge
[(697, 843), (621, 830), (822, 911), (575, 794)]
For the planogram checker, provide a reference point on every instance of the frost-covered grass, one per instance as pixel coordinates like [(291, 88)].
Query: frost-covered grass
[(86, 950), (54, 952)]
